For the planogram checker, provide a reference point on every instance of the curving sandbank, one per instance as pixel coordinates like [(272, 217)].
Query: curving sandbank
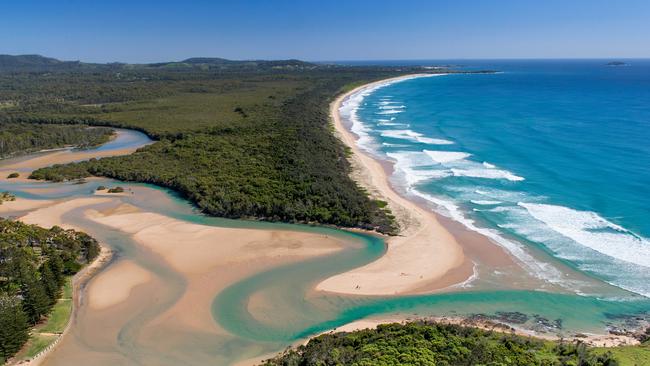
[(424, 257)]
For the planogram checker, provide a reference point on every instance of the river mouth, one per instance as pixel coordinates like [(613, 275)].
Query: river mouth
[(184, 288)]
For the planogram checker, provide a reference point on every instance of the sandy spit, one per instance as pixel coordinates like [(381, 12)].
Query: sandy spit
[(421, 256)]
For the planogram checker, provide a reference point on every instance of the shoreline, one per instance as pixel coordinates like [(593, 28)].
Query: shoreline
[(373, 174), (79, 281), (590, 339), (424, 257), (204, 272)]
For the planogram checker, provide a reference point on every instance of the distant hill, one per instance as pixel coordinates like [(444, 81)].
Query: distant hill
[(207, 60), (25, 60), (37, 63), (222, 63)]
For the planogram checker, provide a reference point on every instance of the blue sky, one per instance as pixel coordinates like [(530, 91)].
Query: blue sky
[(149, 31)]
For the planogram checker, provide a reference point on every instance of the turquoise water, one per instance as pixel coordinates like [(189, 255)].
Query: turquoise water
[(290, 310), (545, 154)]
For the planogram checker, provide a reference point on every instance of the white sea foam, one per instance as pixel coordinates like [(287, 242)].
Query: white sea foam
[(488, 165), (442, 164), (489, 173), (433, 141), (413, 136), (415, 167), (349, 108), (385, 102), (592, 231), (469, 282), (390, 107), (393, 124), (390, 111), (348, 111), (559, 229), (388, 144), (485, 202), (442, 157), (542, 270)]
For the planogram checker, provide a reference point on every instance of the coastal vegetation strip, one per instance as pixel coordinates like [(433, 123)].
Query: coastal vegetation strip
[(35, 264), (6, 197), (427, 343), (22, 138)]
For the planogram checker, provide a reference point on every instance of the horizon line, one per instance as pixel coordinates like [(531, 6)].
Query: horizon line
[(351, 59)]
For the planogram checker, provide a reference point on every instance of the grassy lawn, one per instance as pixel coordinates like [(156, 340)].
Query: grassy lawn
[(58, 318), (45, 333), (630, 355), (36, 344)]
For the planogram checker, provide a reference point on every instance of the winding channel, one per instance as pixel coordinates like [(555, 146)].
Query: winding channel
[(184, 288)]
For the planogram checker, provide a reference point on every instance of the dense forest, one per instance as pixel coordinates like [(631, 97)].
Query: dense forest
[(423, 343), (239, 139), (40, 64), (34, 263), (20, 138)]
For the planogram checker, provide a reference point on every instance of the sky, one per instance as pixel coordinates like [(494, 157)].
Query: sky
[(139, 31)]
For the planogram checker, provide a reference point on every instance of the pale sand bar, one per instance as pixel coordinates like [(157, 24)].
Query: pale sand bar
[(422, 255), (114, 285)]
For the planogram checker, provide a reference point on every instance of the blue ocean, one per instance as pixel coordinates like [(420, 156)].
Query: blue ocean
[(552, 156)]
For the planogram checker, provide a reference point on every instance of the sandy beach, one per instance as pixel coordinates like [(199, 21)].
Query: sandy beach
[(422, 258), (114, 285), (595, 340)]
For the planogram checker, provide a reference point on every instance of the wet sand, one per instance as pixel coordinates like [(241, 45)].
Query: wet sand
[(114, 285), (205, 258), (22, 204)]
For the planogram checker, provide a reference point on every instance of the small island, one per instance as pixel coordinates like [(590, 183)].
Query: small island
[(6, 196), (117, 189), (616, 63)]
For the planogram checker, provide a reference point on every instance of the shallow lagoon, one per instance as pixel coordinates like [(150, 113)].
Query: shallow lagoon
[(276, 307)]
